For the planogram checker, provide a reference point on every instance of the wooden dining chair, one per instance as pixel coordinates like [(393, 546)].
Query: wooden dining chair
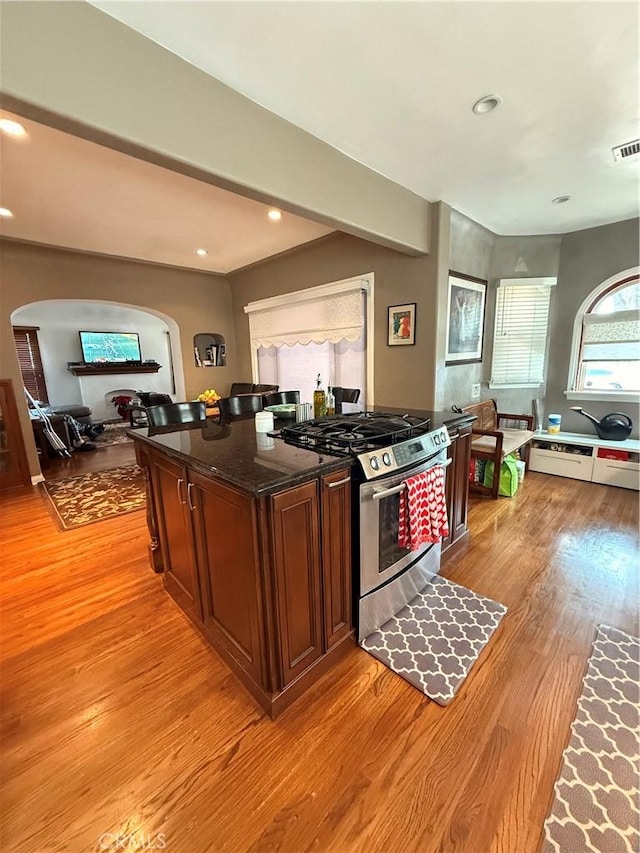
[(171, 414), (240, 407), (279, 398), (345, 395)]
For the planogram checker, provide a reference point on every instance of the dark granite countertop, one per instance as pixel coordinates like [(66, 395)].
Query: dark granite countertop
[(235, 454), (255, 462)]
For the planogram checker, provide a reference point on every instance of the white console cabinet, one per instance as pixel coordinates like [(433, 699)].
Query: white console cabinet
[(585, 457)]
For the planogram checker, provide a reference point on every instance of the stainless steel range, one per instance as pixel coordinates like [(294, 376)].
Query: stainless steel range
[(388, 448)]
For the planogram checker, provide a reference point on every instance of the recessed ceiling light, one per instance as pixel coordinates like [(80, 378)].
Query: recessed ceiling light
[(274, 214), (487, 104), (12, 128), (561, 199), (201, 252), (4, 211)]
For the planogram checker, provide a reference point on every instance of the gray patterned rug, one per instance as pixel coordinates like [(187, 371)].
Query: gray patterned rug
[(596, 798), (434, 641)]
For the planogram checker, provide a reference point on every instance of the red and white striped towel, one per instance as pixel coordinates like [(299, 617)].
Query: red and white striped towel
[(423, 510)]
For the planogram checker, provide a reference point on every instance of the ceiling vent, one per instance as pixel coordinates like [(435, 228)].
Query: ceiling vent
[(630, 150)]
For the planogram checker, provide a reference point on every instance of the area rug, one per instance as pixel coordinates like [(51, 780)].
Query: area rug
[(596, 798), (434, 641), (113, 434), (93, 497)]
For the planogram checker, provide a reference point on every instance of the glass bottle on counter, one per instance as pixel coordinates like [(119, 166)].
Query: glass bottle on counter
[(319, 400), (331, 402)]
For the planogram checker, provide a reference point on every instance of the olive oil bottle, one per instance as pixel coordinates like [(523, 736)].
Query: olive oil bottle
[(331, 401), (319, 400)]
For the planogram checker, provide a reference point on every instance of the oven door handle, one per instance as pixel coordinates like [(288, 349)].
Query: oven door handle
[(394, 490)]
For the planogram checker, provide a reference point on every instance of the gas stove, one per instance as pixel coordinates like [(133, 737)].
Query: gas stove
[(382, 442)]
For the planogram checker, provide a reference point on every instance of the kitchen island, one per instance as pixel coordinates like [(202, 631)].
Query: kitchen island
[(253, 539)]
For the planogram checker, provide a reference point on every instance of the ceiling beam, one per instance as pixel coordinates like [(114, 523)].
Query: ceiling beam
[(69, 65)]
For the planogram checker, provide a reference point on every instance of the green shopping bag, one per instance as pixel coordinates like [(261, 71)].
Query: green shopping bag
[(508, 477)]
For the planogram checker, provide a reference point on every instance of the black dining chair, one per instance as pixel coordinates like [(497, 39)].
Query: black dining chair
[(172, 414), (279, 398), (138, 408), (242, 406), (241, 388), (153, 398), (344, 395), (264, 389)]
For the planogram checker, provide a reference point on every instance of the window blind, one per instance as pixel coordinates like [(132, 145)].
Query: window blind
[(294, 368), (611, 337), (30, 361), (520, 332), (334, 317), (320, 330)]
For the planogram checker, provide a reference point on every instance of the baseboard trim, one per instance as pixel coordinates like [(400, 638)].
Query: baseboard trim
[(37, 478)]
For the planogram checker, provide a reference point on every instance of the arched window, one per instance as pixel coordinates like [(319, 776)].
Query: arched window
[(606, 340)]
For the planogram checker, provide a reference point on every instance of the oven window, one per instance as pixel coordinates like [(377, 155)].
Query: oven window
[(389, 550)]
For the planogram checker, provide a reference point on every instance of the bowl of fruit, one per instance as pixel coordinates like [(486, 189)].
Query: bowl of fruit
[(210, 398)]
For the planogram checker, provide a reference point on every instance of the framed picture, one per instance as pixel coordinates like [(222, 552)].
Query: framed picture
[(465, 319), (402, 325)]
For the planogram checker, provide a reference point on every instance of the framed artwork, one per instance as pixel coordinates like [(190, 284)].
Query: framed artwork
[(465, 319), (402, 325)]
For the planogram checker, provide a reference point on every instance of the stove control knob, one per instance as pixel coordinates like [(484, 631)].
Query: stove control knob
[(386, 459), (374, 463)]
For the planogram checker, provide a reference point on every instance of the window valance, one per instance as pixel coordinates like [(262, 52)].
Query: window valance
[(306, 318)]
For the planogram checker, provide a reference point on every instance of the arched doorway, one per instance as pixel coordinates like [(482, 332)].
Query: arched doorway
[(60, 320)]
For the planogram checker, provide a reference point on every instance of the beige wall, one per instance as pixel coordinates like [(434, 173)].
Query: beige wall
[(58, 66), (404, 376), (197, 302)]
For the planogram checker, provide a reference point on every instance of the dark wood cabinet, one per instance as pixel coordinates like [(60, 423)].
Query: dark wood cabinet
[(457, 488), (336, 555), (295, 521), (266, 579), (223, 525), (170, 486), (14, 470)]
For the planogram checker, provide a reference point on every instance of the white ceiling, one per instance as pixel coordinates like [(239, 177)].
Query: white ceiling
[(65, 191), (392, 84)]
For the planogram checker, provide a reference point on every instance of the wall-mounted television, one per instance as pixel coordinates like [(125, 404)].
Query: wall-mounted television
[(100, 347)]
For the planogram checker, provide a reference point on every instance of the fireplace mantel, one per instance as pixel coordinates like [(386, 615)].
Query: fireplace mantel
[(114, 369)]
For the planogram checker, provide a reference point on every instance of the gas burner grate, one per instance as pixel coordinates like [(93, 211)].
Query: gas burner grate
[(354, 434)]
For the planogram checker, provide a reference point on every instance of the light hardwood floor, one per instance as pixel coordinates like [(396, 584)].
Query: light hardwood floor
[(121, 726)]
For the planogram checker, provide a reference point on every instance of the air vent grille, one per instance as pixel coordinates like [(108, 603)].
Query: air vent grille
[(629, 149)]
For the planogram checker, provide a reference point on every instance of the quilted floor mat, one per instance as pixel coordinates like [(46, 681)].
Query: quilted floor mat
[(596, 802), (434, 641)]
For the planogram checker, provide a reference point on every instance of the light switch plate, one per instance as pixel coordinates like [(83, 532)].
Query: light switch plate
[(475, 391)]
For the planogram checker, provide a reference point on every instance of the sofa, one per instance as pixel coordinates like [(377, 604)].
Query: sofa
[(80, 413)]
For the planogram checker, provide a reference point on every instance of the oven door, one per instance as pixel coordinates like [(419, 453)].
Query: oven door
[(381, 558)]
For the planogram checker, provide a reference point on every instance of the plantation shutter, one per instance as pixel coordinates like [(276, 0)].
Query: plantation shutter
[(30, 361), (520, 332)]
